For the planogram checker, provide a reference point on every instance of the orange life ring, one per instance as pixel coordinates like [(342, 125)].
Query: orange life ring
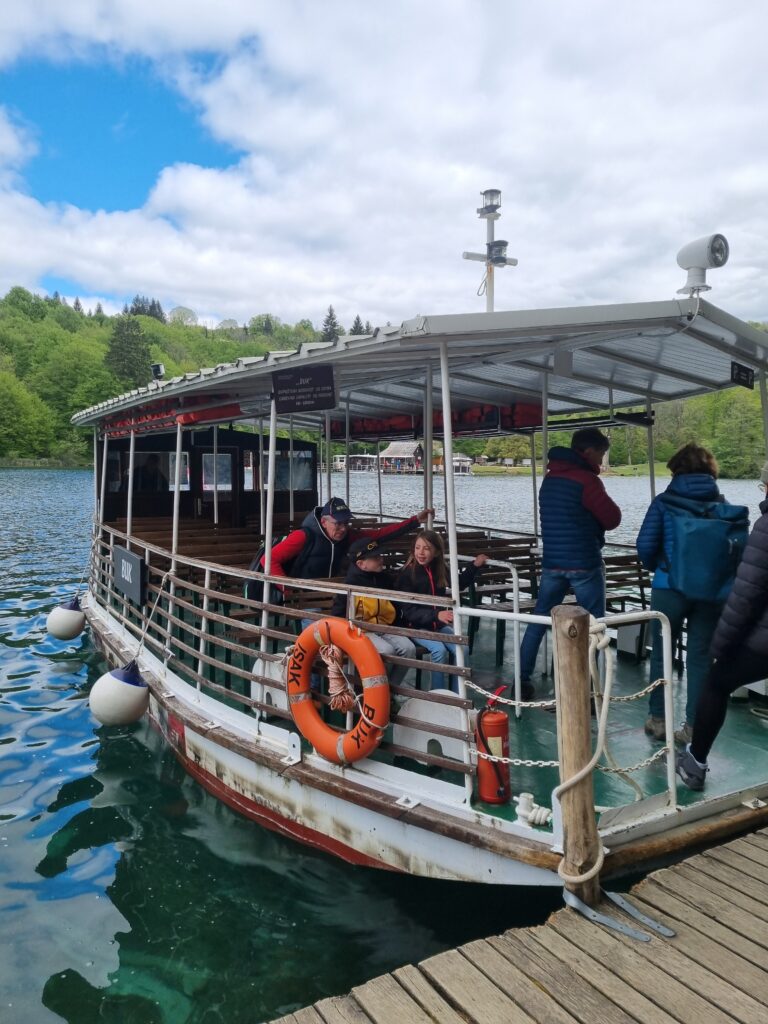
[(365, 735)]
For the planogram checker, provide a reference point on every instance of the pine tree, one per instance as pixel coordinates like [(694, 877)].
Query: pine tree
[(156, 310), (357, 326), (368, 328), (77, 305), (128, 356), (331, 329)]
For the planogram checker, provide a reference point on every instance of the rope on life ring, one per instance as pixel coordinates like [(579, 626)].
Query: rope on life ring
[(365, 734)]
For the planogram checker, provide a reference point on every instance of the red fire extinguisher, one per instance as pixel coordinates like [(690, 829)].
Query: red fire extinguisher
[(492, 737)]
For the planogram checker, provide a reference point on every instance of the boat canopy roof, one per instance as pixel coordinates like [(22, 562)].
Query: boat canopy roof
[(588, 358)]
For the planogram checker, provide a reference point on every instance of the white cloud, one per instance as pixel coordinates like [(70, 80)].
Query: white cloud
[(615, 134)]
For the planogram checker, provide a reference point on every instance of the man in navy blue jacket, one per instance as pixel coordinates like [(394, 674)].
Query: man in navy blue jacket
[(575, 513)]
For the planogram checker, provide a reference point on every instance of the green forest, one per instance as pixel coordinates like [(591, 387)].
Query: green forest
[(57, 358)]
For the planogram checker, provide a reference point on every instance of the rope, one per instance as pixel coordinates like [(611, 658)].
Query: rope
[(340, 690), (163, 581)]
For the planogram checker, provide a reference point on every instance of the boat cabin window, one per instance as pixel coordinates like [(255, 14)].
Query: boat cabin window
[(223, 472), (302, 470)]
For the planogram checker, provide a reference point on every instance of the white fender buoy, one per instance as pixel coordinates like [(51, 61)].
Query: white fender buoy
[(67, 621), (120, 696)]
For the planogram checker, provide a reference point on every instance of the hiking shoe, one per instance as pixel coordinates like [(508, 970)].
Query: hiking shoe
[(690, 771), (655, 727), (684, 735)]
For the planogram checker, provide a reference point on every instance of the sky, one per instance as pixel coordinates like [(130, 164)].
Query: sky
[(245, 157)]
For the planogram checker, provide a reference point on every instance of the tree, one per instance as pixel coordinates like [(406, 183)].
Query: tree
[(77, 305), (156, 311), (331, 329), (228, 325), (129, 356), (368, 328), (357, 326), (26, 424), (182, 315), (264, 323)]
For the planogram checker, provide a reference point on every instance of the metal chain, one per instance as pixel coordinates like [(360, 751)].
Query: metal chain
[(506, 700), (517, 761), (635, 767)]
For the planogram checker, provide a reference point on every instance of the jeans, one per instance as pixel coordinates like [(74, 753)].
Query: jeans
[(702, 618), (439, 653), (589, 587), (393, 643)]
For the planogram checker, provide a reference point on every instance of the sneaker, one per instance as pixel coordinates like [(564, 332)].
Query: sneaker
[(527, 690), (655, 727), (684, 735), (690, 771)]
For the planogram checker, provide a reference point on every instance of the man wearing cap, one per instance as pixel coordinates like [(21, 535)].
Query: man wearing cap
[(366, 569), (317, 550)]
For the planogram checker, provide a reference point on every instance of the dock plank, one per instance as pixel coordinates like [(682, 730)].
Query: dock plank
[(650, 976), (530, 996), (705, 968), (385, 1000), (600, 976), (733, 870), (712, 903), (752, 851), (587, 1004), (750, 868), (340, 1010), (415, 983), (468, 989), (722, 950)]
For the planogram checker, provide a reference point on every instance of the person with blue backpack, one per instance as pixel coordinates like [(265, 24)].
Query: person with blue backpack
[(692, 540)]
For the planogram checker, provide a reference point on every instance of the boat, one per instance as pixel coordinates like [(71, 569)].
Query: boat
[(169, 566)]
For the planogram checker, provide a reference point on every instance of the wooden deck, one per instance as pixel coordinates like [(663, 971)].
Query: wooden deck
[(714, 971)]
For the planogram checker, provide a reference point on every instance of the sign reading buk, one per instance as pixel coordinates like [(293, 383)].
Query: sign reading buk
[(305, 390), (743, 375), (130, 575)]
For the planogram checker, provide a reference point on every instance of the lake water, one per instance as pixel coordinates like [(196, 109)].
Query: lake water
[(130, 895)]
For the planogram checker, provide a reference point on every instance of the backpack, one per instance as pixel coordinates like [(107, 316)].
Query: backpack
[(254, 589), (708, 540)]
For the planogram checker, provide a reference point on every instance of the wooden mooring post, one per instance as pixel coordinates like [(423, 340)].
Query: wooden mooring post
[(581, 841)]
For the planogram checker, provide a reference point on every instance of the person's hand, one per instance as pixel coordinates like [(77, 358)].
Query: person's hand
[(445, 616), (424, 515), (480, 560)]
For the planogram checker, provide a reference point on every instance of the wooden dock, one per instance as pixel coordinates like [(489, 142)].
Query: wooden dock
[(714, 971)]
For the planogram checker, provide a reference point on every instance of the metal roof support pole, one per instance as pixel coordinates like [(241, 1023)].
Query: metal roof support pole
[(489, 222), (103, 489), (215, 474), (651, 452), (453, 554), (764, 407), (268, 528), (428, 446), (261, 475), (346, 453), (544, 421), (96, 516), (328, 456), (176, 499), (131, 471), (378, 476), (535, 483), (320, 465), (290, 471)]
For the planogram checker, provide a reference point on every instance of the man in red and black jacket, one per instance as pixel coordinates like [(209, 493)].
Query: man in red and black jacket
[(317, 550), (575, 513)]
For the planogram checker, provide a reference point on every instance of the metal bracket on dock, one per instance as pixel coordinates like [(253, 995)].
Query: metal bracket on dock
[(612, 922)]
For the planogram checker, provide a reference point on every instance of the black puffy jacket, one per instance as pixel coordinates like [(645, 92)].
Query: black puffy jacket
[(744, 619), (418, 579)]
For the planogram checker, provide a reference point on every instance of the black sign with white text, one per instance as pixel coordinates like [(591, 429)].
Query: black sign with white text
[(305, 390), (743, 375), (130, 575)]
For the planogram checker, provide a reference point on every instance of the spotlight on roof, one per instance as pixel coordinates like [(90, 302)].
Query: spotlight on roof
[(158, 371), (497, 252), (491, 201), (697, 257)]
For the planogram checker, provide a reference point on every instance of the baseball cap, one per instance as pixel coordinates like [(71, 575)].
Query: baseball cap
[(337, 509), (365, 547)]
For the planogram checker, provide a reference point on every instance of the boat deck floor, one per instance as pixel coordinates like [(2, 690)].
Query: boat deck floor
[(739, 759)]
